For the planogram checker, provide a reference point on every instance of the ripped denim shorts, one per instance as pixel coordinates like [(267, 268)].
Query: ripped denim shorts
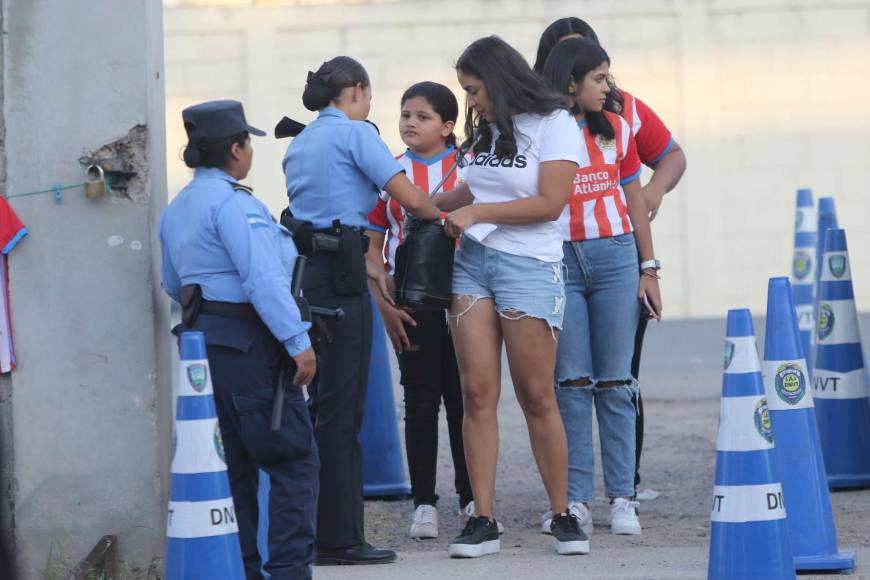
[(519, 285)]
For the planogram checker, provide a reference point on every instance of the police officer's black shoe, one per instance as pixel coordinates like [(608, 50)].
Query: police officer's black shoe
[(363, 553)]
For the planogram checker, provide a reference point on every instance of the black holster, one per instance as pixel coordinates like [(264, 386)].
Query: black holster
[(191, 303), (301, 230), (349, 266)]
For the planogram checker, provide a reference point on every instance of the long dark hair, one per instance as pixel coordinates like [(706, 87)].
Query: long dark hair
[(211, 152), (440, 98), (513, 88), (573, 59), (562, 28), (324, 85)]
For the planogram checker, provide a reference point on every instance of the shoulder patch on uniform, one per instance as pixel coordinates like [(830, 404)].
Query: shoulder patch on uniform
[(245, 188), (256, 221)]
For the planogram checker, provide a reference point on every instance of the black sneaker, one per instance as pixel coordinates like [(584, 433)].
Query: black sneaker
[(568, 538), (479, 538)]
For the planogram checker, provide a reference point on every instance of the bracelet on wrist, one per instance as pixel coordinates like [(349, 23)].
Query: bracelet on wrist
[(651, 273)]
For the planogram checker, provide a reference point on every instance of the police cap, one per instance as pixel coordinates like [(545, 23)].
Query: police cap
[(216, 119)]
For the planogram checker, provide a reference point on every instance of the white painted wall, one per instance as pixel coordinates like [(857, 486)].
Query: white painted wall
[(91, 397), (765, 96)]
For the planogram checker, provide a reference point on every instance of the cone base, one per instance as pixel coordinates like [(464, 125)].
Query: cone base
[(841, 561), (387, 490), (758, 549), (210, 557), (847, 482)]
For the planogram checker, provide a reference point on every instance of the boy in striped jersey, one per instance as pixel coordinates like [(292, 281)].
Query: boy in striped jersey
[(423, 345)]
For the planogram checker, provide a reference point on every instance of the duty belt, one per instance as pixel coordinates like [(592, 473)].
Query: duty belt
[(243, 310)]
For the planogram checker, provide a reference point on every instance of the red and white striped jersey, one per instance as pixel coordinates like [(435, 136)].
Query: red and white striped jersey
[(653, 138), (388, 216), (597, 207)]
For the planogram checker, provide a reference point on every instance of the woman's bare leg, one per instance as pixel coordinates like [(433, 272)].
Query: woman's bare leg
[(477, 341), (531, 351)]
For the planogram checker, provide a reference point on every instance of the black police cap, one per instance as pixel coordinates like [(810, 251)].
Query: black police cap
[(216, 119)]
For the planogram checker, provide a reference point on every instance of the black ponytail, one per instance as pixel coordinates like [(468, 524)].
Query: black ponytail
[(441, 99), (214, 152), (573, 59), (326, 84)]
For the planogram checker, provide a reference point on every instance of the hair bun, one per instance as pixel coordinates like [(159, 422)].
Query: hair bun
[(318, 93), (192, 155)]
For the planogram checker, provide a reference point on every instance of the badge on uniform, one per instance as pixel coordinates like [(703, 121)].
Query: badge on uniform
[(256, 221)]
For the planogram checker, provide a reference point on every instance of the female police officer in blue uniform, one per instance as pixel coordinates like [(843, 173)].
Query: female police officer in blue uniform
[(334, 169), (229, 264)]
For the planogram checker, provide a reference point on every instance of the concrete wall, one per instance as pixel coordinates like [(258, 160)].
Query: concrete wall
[(764, 95), (90, 400)]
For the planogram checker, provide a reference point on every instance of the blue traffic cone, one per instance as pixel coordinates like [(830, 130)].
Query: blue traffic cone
[(803, 273), (749, 536), (263, 522), (383, 466), (840, 385), (203, 536), (827, 219), (798, 453)]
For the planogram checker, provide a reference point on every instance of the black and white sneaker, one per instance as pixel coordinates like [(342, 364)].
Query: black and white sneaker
[(479, 538), (568, 538)]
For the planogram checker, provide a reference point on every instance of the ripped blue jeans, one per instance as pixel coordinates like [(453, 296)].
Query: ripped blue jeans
[(596, 344), (519, 285)]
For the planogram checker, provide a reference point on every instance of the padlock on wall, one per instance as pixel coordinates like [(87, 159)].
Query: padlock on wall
[(95, 182)]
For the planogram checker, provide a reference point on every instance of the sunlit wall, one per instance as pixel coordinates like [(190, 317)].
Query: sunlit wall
[(764, 95)]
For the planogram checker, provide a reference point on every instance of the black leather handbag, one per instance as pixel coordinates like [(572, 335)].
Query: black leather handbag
[(424, 267)]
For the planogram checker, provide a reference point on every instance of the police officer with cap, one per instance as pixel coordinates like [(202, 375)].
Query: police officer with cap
[(229, 265)]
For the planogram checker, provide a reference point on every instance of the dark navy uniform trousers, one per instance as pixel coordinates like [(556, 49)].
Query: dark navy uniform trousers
[(245, 362), (338, 396)]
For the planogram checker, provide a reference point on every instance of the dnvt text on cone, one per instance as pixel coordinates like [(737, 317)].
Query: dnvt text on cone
[(202, 533), (749, 535), (840, 386)]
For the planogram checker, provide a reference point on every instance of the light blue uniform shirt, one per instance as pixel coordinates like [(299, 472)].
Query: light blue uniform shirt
[(226, 241), (335, 168)]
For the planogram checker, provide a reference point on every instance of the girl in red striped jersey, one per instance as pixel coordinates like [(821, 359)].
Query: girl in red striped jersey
[(605, 226), (424, 348), (657, 150)]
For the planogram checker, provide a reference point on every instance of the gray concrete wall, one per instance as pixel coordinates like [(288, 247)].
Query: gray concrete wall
[(91, 397), (765, 96)]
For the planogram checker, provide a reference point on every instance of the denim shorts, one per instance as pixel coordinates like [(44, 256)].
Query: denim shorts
[(519, 285)]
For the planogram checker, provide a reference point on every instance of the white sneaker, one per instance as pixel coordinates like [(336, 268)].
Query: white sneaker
[(579, 509), (425, 524), (623, 517), (468, 512)]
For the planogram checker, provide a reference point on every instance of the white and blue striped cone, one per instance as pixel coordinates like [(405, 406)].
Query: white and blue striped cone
[(749, 534), (840, 385), (827, 219), (803, 271), (202, 533), (798, 453)]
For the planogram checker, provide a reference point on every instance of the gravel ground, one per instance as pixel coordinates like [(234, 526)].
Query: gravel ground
[(681, 382)]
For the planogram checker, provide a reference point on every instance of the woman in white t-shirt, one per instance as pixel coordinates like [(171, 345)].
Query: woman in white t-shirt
[(508, 275)]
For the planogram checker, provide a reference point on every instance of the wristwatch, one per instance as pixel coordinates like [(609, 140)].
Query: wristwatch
[(654, 264)]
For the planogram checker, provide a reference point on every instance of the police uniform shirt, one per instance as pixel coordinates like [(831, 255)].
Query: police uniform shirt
[(334, 170), (225, 240)]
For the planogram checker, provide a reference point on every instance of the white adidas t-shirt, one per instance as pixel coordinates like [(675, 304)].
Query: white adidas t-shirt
[(539, 139)]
